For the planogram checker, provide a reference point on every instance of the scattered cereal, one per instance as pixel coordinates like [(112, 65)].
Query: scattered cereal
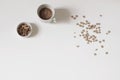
[(74, 36), (102, 46), (76, 15), (100, 41), (95, 54), (77, 46), (77, 23), (84, 16), (80, 35), (108, 32), (72, 16), (106, 52), (96, 49), (100, 15), (90, 32), (97, 23), (103, 40)]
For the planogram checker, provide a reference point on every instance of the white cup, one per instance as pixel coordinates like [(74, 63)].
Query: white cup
[(51, 19)]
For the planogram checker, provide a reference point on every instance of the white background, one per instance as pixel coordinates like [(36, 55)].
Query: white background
[(51, 53)]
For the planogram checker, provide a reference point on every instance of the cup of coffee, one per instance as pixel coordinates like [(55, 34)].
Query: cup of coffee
[(46, 13)]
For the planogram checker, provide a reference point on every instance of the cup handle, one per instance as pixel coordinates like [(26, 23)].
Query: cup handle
[(54, 20)]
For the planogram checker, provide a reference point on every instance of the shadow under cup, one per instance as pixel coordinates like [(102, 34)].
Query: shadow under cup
[(46, 13)]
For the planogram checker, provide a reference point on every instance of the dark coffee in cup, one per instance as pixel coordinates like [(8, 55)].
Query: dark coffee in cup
[(45, 13)]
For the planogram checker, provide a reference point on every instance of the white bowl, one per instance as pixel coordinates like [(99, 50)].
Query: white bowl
[(28, 25)]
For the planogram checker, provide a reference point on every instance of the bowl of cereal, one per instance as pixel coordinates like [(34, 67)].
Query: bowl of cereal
[(24, 29)]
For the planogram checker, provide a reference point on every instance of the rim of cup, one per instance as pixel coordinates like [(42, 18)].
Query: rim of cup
[(29, 34)]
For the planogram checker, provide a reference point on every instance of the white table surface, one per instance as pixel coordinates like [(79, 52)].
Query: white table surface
[(51, 53)]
